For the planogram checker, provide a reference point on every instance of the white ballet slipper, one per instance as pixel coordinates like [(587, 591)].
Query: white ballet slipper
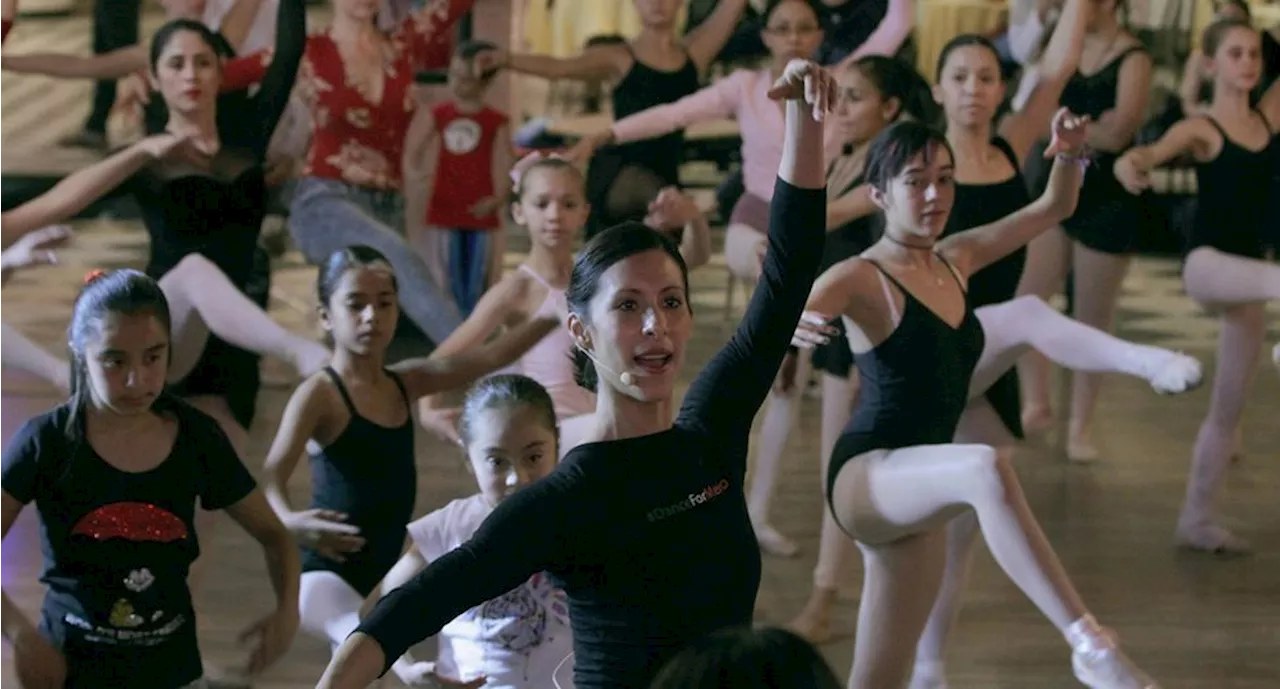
[(773, 542), (1206, 536), (1098, 661), (1175, 374)]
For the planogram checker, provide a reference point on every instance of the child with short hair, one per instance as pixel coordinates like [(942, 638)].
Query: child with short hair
[(468, 146)]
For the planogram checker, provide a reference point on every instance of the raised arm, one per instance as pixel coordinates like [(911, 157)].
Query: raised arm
[(726, 395), (705, 42), (1023, 128), (235, 23), (116, 64), (889, 34), (277, 84), (81, 189), (530, 531), (974, 249), (1116, 128)]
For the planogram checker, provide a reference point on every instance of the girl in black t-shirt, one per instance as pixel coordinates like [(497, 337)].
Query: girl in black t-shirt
[(115, 473)]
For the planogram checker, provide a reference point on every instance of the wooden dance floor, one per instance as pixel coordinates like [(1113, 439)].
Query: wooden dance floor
[(1193, 620)]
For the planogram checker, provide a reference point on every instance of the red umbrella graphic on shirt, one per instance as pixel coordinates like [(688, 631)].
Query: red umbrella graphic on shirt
[(131, 521)]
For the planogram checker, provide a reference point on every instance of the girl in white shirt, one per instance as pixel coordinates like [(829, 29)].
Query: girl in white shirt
[(518, 640)]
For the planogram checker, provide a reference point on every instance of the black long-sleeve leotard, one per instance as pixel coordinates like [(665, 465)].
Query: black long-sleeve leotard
[(648, 536), (217, 212)]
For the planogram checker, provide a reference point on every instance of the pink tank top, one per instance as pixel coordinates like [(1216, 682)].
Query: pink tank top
[(550, 361)]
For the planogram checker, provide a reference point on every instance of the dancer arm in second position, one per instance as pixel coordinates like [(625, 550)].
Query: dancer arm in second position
[(77, 191), (33, 249)]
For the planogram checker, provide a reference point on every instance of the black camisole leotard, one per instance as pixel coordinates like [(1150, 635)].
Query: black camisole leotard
[(1107, 217), (915, 384), (642, 88), (977, 205), (1236, 205), (367, 473)]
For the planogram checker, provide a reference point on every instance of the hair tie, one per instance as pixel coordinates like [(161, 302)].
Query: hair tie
[(94, 275), (523, 165)]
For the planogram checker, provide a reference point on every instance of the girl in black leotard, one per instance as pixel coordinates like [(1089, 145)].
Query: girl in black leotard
[(1096, 242), (1237, 156), (656, 67), (989, 186), (652, 486), (1196, 90), (895, 477), (354, 419), (874, 92)]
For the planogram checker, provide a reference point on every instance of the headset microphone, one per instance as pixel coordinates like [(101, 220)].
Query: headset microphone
[(627, 377)]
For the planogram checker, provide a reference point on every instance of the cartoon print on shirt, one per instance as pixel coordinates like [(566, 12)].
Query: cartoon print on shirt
[(136, 522), (461, 136)]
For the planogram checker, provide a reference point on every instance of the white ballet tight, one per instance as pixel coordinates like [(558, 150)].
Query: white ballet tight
[(23, 354), (328, 607), (202, 300), (1237, 287)]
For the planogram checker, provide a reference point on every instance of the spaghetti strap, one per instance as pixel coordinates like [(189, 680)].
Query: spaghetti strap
[(1265, 121), (888, 295), (342, 390), (1218, 126), (404, 393), (533, 274), (959, 283)]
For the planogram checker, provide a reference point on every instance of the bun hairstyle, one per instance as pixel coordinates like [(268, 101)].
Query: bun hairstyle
[(505, 391), (895, 79), (535, 161)]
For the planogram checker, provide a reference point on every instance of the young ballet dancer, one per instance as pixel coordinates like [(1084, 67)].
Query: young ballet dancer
[(874, 92), (654, 68), (744, 658), (1095, 245), (117, 473), (896, 477), (1226, 269), (791, 31), (551, 205), (989, 153), (461, 160), (354, 529), (356, 81), (33, 249), (518, 639), (668, 492)]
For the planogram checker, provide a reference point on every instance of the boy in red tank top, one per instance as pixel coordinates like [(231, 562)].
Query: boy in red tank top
[(469, 151)]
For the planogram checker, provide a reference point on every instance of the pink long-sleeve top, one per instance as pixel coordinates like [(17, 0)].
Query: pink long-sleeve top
[(744, 96)]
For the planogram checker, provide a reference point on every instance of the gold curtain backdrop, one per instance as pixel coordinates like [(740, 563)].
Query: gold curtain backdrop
[(563, 28)]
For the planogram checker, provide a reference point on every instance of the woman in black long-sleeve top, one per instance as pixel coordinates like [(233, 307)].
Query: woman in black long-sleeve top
[(645, 528)]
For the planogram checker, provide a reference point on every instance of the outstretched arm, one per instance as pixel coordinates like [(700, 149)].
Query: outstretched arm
[(889, 34), (744, 369), (81, 189), (528, 532), (1188, 136), (705, 42), (116, 64), (974, 249)]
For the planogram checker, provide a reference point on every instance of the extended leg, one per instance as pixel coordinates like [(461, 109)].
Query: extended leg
[(23, 354), (328, 607), (1014, 327), (886, 496), (203, 300)]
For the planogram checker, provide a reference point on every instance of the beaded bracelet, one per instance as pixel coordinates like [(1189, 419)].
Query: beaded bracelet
[(1084, 158)]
